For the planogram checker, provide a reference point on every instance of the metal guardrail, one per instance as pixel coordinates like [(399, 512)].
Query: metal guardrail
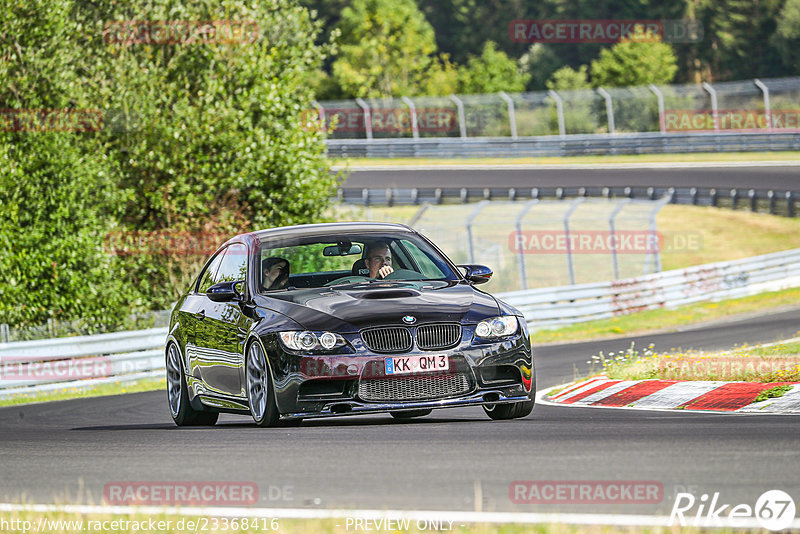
[(774, 202), (567, 145), (82, 361), (557, 306), (133, 355)]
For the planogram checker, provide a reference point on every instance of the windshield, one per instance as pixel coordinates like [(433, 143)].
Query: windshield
[(321, 261)]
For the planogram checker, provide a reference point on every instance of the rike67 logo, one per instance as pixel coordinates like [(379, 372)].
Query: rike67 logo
[(773, 510)]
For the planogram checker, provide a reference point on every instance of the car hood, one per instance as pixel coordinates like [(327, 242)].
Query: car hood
[(355, 306)]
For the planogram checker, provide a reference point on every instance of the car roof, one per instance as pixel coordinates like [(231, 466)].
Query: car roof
[(323, 229)]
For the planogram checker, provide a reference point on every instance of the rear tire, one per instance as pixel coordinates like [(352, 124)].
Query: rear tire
[(260, 396), (410, 414), (178, 394)]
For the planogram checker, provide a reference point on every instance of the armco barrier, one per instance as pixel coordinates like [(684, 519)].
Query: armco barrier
[(556, 306), (567, 145), (46, 364), (139, 354)]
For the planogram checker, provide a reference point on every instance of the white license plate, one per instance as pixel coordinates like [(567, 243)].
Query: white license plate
[(398, 365)]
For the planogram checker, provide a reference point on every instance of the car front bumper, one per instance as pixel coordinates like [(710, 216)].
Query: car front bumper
[(355, 407)]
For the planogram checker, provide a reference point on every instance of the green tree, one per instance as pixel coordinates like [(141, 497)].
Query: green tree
[(737, 42), (200, 138), (787, 35), (634, 63), (567, 79), (540, 62), (58, 194), (386, 48), (491, 72)]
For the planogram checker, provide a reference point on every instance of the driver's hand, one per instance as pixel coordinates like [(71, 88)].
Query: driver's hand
[(384, 271)]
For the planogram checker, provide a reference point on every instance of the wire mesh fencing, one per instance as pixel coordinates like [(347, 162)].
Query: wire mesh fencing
[(769, 105), (544, 243)]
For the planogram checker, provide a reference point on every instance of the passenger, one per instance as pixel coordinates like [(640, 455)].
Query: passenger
[(379, 260), (274, 273)]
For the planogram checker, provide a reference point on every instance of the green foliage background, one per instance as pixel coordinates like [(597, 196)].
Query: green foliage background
[(202, 138)]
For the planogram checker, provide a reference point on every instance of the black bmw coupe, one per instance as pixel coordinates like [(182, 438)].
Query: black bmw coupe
[(339, 319)]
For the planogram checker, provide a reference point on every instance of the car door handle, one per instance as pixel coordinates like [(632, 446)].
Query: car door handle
[(200, 315)]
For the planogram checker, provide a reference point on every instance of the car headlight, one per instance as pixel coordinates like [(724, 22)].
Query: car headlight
[(311, 341), (497, 327)]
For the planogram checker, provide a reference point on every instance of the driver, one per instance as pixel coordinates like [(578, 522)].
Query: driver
[(379, 260)]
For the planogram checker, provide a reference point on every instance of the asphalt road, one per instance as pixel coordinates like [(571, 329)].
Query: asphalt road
[(68, 451), (744, 177)]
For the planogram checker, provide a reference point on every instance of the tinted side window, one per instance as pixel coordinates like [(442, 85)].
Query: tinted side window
[(208, 276), (234, 264), (429, 268)]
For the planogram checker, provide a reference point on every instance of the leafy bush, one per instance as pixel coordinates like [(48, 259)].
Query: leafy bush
[(208, 139)]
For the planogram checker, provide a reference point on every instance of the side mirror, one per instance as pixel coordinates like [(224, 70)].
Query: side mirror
[(224, 292), (477, 274)]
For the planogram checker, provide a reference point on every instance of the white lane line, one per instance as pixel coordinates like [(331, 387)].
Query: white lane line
[(570, 166), (674, 395), (411, 515)]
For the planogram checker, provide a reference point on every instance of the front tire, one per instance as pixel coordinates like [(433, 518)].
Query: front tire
[(178, 395), (513, 410), (260, 396)]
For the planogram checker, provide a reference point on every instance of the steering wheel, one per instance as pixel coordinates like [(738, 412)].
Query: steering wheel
[(347, 280)]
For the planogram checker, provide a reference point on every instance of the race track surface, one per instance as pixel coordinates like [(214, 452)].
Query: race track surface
[(68, 451), (785, 178)]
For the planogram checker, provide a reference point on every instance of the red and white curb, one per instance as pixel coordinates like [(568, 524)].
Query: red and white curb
[(738, 397)]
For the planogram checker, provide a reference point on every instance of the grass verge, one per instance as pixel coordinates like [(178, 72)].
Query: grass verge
[(665, 320), (775, 362), (117, 388), (630, 158)]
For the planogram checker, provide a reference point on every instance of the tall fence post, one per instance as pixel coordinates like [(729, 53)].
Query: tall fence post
[(472, 216), (413, 110), (609, 108), (714, 108), (523, 278), (655, 255), (765, 90), (571, 269), (662, 120), (613, 235), (562, 130), (367, 116), (5, 336), (418, 215), (462, 119), (512, 116)]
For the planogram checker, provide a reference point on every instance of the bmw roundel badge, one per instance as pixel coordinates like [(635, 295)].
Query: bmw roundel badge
[(409, 319)]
